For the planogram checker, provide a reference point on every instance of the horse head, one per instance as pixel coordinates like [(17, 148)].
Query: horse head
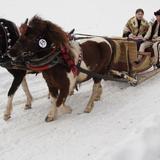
[(38, 37)]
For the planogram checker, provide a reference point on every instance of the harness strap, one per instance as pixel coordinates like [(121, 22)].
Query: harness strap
[(69, 60), (50, 62), (40, 68), (40, 60), (48, 59), (92, 74)]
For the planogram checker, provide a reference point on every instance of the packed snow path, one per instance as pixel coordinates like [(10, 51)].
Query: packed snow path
[(123, 113)]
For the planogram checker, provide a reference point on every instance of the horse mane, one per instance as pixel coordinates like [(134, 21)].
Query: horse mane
[(55, 32)]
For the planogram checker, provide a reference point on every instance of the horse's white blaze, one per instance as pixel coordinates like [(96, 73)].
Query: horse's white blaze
[(27, 92), (96, 39)]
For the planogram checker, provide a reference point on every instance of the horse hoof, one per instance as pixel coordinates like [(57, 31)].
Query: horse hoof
[(87, 110), (49, 119), (28, 106), (67, 109), (7, 117), (97, 99)]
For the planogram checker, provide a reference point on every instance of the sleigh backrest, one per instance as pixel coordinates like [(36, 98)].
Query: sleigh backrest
[(128, 54)]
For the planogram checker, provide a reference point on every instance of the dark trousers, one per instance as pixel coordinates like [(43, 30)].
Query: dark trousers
[(139, 42)]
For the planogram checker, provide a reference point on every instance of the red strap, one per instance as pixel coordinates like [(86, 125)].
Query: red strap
[(69, 60), (42, 68)]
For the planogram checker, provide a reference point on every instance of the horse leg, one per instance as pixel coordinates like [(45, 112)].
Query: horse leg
[(27, 93), (99, 93), (96, 93), (64, 93), (53, 109), (15, 84), (58, 102), (65, 109)]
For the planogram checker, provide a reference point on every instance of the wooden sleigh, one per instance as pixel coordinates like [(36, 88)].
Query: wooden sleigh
[(126, 70)]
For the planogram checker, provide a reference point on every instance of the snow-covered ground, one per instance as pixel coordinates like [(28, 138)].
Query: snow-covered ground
[(124, 125)]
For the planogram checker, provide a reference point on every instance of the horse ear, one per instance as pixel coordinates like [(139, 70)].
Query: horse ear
[(26, 21), (23, 27)]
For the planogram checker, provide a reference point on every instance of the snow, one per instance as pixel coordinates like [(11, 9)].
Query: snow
[(145, 145), (124, 125)]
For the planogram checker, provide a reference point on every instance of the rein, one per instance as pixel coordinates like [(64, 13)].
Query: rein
[(29, 60), (85, 36), (56, 56), (44, 63)]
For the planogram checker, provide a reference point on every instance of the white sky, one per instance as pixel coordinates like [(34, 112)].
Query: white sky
[(88, 16)]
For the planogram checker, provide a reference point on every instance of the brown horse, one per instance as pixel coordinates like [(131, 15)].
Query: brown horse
[(42, 37)]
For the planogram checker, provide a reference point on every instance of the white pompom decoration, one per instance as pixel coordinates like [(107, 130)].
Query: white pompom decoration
[(42, 43)]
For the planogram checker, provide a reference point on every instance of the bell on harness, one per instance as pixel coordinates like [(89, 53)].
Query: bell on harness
[(8, 36)]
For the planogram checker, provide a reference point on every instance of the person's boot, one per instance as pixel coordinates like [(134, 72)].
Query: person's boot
[(158, 65), (139, 58)]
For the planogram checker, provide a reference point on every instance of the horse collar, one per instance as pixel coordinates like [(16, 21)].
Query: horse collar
[(7, 35), (45, 62)]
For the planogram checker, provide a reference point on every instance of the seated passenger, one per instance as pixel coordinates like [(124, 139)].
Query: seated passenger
[(136, 27), (152, 38)]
